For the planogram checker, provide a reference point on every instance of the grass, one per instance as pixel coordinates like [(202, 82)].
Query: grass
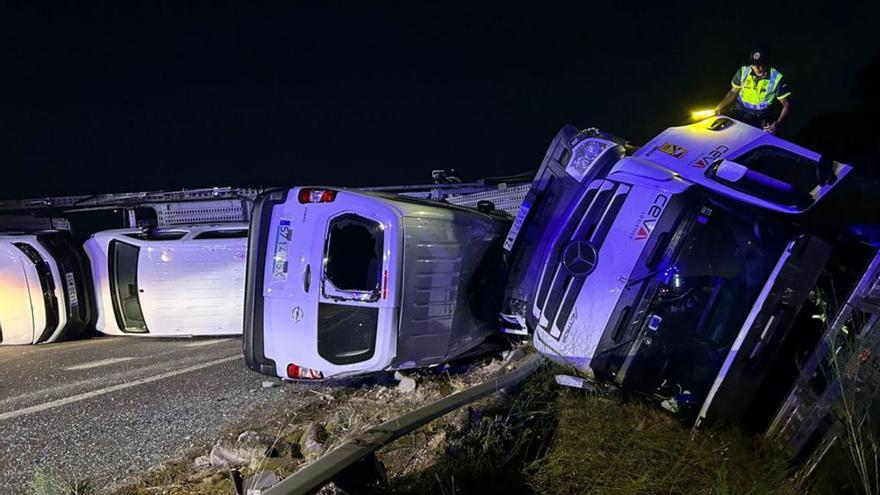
[(44, 484), (548, 440), (606, 447), (485, 448)]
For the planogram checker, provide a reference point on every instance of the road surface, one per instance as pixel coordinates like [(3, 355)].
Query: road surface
[(105, 409)]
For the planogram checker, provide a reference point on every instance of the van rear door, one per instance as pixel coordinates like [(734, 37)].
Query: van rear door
[(351, 285), (329, 282)]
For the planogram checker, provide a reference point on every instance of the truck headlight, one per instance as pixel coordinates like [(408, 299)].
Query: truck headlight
[(585, 155)]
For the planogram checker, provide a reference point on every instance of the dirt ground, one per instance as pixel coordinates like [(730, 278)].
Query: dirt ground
[(295, 432)]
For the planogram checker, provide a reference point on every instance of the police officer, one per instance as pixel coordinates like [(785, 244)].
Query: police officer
[(755, 87)]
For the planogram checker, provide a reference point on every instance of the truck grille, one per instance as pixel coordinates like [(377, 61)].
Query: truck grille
[(590, 220)]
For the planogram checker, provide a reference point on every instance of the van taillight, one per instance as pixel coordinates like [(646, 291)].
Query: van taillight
[(302, 373), (385, 285), (316, 196)]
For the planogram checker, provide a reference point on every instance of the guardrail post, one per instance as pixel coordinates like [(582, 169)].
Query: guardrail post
[(365, 477)]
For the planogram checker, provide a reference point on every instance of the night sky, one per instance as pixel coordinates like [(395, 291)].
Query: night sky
[(125, 97)]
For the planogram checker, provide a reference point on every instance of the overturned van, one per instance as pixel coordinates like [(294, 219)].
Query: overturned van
[(675, 271), (341, 283), (169, 282), (44, 288)]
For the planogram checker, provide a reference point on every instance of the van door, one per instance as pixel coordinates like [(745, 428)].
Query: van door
[(194, 286), (329, 282), (224, 281), (351, 286)]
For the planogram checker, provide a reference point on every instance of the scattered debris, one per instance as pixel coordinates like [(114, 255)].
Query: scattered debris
[(295, 432), (513, 355), (251, 437), (406, 384), (249, 446), (269, 384), (575, 382), (260, 481), (312, 441), (221, 456)]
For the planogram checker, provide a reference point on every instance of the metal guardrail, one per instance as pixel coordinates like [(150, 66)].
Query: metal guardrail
[(362, 448)]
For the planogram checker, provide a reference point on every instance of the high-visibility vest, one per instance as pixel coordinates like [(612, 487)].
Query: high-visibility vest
[(758, 94)]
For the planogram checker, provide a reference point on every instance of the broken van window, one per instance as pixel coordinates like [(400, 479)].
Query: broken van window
[(354, 254)]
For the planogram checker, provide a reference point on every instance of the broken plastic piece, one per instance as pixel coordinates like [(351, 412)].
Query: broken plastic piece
[(575, 382)]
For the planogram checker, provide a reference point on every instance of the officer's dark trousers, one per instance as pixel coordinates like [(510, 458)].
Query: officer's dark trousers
[(751, 117)]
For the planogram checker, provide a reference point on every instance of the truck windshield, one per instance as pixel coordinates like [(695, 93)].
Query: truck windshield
[(703, 297)]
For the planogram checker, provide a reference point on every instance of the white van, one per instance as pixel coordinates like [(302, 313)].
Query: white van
[(168, 282), (44, 288), (342, 283)]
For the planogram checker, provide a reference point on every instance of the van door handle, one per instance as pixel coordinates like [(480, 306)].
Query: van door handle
[(307, 278)]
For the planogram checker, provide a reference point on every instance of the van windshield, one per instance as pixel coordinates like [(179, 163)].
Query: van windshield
[(353, 255), (704, 294), (123, 261)]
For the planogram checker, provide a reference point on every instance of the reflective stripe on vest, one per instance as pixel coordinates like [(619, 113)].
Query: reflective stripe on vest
[(758, 94)]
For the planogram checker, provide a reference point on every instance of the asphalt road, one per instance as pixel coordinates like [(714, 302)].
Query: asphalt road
[(105, 409)]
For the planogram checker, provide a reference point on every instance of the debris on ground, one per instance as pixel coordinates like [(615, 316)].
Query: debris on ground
[(301, 427), (202, 461), (311, 443), (405, 385), (575, 382), (260, 481)]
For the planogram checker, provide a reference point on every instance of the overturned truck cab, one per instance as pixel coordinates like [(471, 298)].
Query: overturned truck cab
[(343, 283), (676, 270)]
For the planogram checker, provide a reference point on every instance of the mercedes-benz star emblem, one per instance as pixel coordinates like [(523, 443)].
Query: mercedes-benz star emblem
[(579, 258)]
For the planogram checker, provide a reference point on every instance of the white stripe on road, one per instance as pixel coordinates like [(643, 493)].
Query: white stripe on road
[(115, 388), (95, 364), (207, 342)]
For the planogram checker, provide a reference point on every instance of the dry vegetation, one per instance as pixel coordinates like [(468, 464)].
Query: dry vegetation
[(611, 448), (544, 440), (340, 412), (536, 439)]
